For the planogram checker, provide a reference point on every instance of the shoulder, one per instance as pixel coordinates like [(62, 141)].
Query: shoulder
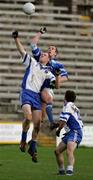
[(71, 107), (28, 59), (57, 63)]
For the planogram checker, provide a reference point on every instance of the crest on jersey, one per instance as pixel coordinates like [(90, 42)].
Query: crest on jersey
[(46, 71)]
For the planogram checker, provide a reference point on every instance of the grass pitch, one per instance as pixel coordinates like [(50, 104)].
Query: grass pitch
[(15, 165)]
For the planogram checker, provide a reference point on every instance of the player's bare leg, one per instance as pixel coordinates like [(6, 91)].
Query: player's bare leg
[(25, 126), (43, 112), (36, 116), (70, 157), (59, 158)]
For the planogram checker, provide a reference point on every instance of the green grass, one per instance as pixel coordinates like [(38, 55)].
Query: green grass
[(15, 165)]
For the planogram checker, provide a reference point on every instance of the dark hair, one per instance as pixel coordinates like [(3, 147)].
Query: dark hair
[(70, 96)]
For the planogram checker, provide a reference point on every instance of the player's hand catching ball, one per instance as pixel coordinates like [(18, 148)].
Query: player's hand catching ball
[(15, 34)]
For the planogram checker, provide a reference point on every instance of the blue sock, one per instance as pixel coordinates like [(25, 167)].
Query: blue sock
[(49, 112), (33, 146), (24, 136)]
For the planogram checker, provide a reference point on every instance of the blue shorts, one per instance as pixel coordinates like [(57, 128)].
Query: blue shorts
[(30, 97), (72, 136)]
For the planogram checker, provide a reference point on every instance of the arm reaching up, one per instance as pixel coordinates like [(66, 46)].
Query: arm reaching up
[(36, 38), (36, 51), (18, 43)]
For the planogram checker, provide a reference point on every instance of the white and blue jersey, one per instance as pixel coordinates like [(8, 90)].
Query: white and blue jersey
[(36, 51), (33, 79), (71, 115), (35, 74), (53, 65)]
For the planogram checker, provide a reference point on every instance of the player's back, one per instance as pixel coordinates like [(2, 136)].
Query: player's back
[(71, 115)]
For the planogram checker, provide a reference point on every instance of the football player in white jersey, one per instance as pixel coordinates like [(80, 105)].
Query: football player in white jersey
[(69, 116), (56, 68), (35, 75)]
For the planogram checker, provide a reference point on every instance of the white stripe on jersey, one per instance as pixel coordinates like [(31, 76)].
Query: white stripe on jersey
[(36, 75)]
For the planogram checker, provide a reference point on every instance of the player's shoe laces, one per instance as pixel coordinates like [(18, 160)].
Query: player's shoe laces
[(22, 146), (62, 172), (33, 155), (53, 126), (69, 173)]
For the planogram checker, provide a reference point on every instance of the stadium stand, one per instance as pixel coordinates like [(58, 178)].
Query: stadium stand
[(72, 34)]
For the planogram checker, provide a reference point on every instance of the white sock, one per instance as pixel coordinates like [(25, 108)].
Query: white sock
[(70, 167), (61, 168)]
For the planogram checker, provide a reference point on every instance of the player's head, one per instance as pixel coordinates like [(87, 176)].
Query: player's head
[(70, 96), (44, 58), (52, 51)]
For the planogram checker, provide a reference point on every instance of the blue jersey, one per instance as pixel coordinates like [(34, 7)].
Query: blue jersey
[(53, 65)]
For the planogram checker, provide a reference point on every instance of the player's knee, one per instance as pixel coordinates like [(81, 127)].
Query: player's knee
[(50, 99), (29, 117), (47, 97), (56, 152)]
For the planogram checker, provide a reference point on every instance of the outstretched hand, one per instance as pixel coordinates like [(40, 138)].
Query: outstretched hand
[(15, 34), (43, 30)]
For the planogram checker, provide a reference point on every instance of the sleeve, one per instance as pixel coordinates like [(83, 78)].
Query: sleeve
[(65, 114), (63, 72), (50, 76), (36, 52), (27, 60), (56, 65), (59, 66)]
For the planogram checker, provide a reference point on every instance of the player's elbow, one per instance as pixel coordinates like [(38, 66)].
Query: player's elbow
[(63, 79)]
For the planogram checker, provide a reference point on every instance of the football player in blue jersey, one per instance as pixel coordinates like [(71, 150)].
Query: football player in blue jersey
[(35, 75), (70, 116), (56, 68)]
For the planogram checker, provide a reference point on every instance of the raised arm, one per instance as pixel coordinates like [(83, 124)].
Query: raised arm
[(36, 38), (36, 51), (18, 43)]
